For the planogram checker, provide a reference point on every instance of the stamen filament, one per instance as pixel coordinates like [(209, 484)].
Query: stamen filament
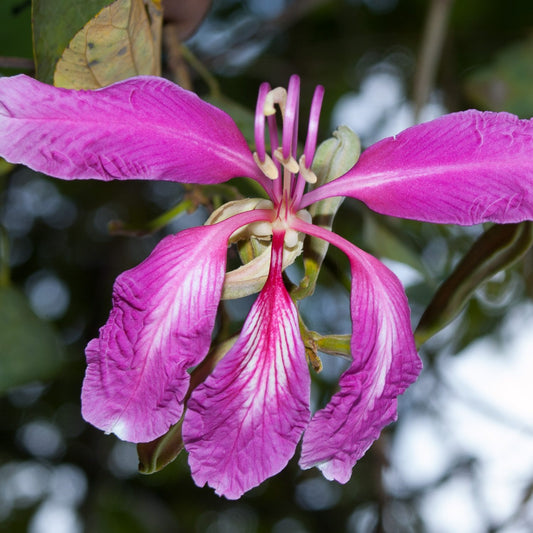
[(259, 123), (290, 126), (306, 174), (312, 128)]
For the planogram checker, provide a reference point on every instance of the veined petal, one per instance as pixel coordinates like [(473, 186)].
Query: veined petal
[(160, 325), (385, 363), (243, 423), (462, 168), (141, 128)]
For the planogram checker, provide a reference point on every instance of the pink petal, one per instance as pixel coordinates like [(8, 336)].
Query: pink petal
[(243, 423), (462, 168), (141, 128), (385, 363), (160, 325)]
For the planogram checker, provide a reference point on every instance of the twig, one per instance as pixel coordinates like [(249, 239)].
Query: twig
[(430, 52), (175, 59), (19, 63)]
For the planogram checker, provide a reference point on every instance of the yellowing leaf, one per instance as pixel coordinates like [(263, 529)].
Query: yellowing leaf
[(122, 40)]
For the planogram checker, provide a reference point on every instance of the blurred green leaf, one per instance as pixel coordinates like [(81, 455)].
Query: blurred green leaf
[(386, 242), (243, 117), (498, 248), (29, 347), (505, 85), (5, 167)]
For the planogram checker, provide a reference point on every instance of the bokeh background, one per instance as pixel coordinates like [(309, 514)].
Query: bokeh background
[(460, 458)]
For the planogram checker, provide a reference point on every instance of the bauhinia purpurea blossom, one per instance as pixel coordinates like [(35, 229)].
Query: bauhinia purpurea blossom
[(242, 424)]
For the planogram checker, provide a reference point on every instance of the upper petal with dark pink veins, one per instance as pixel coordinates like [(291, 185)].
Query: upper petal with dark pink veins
[(385, 363), (462, 168), (141, 128), (160, 325), (243, 423)]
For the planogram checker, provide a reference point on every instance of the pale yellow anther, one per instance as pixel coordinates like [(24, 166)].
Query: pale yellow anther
[(290, 163), (275, 96), (268, 167), (307, 173)]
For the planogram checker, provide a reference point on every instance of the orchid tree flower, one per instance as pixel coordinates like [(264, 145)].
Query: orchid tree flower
[(243, 423)]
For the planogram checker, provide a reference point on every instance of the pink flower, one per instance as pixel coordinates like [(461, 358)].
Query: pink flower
[(243, 423)]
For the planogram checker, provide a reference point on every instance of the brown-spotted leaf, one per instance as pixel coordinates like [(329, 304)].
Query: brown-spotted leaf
[(121, 41), (54, 24)]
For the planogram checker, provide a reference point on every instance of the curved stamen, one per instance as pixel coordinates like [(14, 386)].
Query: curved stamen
[(306, 174), (290, 119), (275, 96), (259, 124), (312, 129)]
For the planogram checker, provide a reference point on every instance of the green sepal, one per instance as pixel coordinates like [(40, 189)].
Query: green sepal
[(314, 342), (333, 158), (155, 455)]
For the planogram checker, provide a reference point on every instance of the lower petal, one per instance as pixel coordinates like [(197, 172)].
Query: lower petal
[(243, 423), (385, 363), (161, 322)]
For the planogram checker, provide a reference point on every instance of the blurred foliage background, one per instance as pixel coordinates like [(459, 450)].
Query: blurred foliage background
[(385, 64)]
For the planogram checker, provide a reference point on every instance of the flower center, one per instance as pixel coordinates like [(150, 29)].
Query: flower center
[(289, 176)]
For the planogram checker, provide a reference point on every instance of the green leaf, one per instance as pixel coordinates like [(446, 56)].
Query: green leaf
[(498, 248), (29, 347)]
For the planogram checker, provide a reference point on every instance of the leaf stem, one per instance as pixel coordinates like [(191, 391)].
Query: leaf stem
[(200, 68)]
